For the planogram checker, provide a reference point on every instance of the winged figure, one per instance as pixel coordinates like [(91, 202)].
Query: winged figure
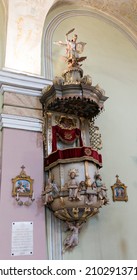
[(73, 48)]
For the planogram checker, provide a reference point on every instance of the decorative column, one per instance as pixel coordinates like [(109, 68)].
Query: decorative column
[(22, 145)]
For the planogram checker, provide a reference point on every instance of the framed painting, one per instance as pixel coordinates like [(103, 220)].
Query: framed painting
[(119, 191), (22, 184)]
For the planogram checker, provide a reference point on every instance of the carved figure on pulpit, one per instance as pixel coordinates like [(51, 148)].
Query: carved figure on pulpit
[(91, 194), (71, 46), (101, 188), (78, 197), (55, 188), (73, 185), (58, 80), (82, 185), (104, 194), (99, 184), (87, 79), (72, 239), (51, 189), (97, 87), (48, 193), (73, 49)]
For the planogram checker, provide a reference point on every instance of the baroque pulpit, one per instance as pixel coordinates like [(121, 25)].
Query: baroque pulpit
[(73, 188)]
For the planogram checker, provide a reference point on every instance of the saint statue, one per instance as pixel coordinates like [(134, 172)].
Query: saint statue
[(73, 49)]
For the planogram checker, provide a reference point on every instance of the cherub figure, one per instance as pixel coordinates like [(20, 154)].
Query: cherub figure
[(72, 239)]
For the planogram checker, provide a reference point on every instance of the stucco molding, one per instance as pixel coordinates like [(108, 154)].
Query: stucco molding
[(19, 90), (19, 122), (21, 83)]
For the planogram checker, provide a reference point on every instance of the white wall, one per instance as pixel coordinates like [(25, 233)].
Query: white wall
[(2, 34), (25, 26), (112, 62)]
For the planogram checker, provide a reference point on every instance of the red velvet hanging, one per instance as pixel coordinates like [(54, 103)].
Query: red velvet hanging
[(73, 155), (65, 135)]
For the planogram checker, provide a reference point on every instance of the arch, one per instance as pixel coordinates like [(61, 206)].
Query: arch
[(53, 24)]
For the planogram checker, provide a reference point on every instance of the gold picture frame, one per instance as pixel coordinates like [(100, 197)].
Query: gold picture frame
[(119, 191), (22, 184)]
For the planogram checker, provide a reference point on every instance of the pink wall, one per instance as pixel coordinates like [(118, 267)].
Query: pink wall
[(20, 147)]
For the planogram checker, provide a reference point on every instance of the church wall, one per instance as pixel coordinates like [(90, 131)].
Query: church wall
[(25, 25), (111, 61), (3, 33), (3, 26), (22, 144), (20, 147)]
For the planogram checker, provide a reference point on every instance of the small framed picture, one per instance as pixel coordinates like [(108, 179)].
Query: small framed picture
[(22, 184), (119, 191)]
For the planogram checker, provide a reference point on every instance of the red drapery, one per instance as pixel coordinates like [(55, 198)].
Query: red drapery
[(73, 155), (65, 135)]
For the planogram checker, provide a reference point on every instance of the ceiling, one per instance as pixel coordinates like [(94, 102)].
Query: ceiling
[(28, 20), (125, 11)]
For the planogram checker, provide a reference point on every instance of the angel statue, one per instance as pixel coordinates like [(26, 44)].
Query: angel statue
[(72, 239), (73, 49)]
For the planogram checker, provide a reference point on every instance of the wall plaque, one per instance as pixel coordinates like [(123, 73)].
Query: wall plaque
[(22, 238)]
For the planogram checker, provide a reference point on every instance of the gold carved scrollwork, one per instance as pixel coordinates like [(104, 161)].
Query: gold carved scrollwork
[(77, 202), (66, 122), (75, 212)]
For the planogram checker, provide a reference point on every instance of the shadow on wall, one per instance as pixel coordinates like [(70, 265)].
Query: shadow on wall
[(123, 248), (134, 159)]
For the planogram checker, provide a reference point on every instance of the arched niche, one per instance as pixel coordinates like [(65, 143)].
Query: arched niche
[(57, 17)]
